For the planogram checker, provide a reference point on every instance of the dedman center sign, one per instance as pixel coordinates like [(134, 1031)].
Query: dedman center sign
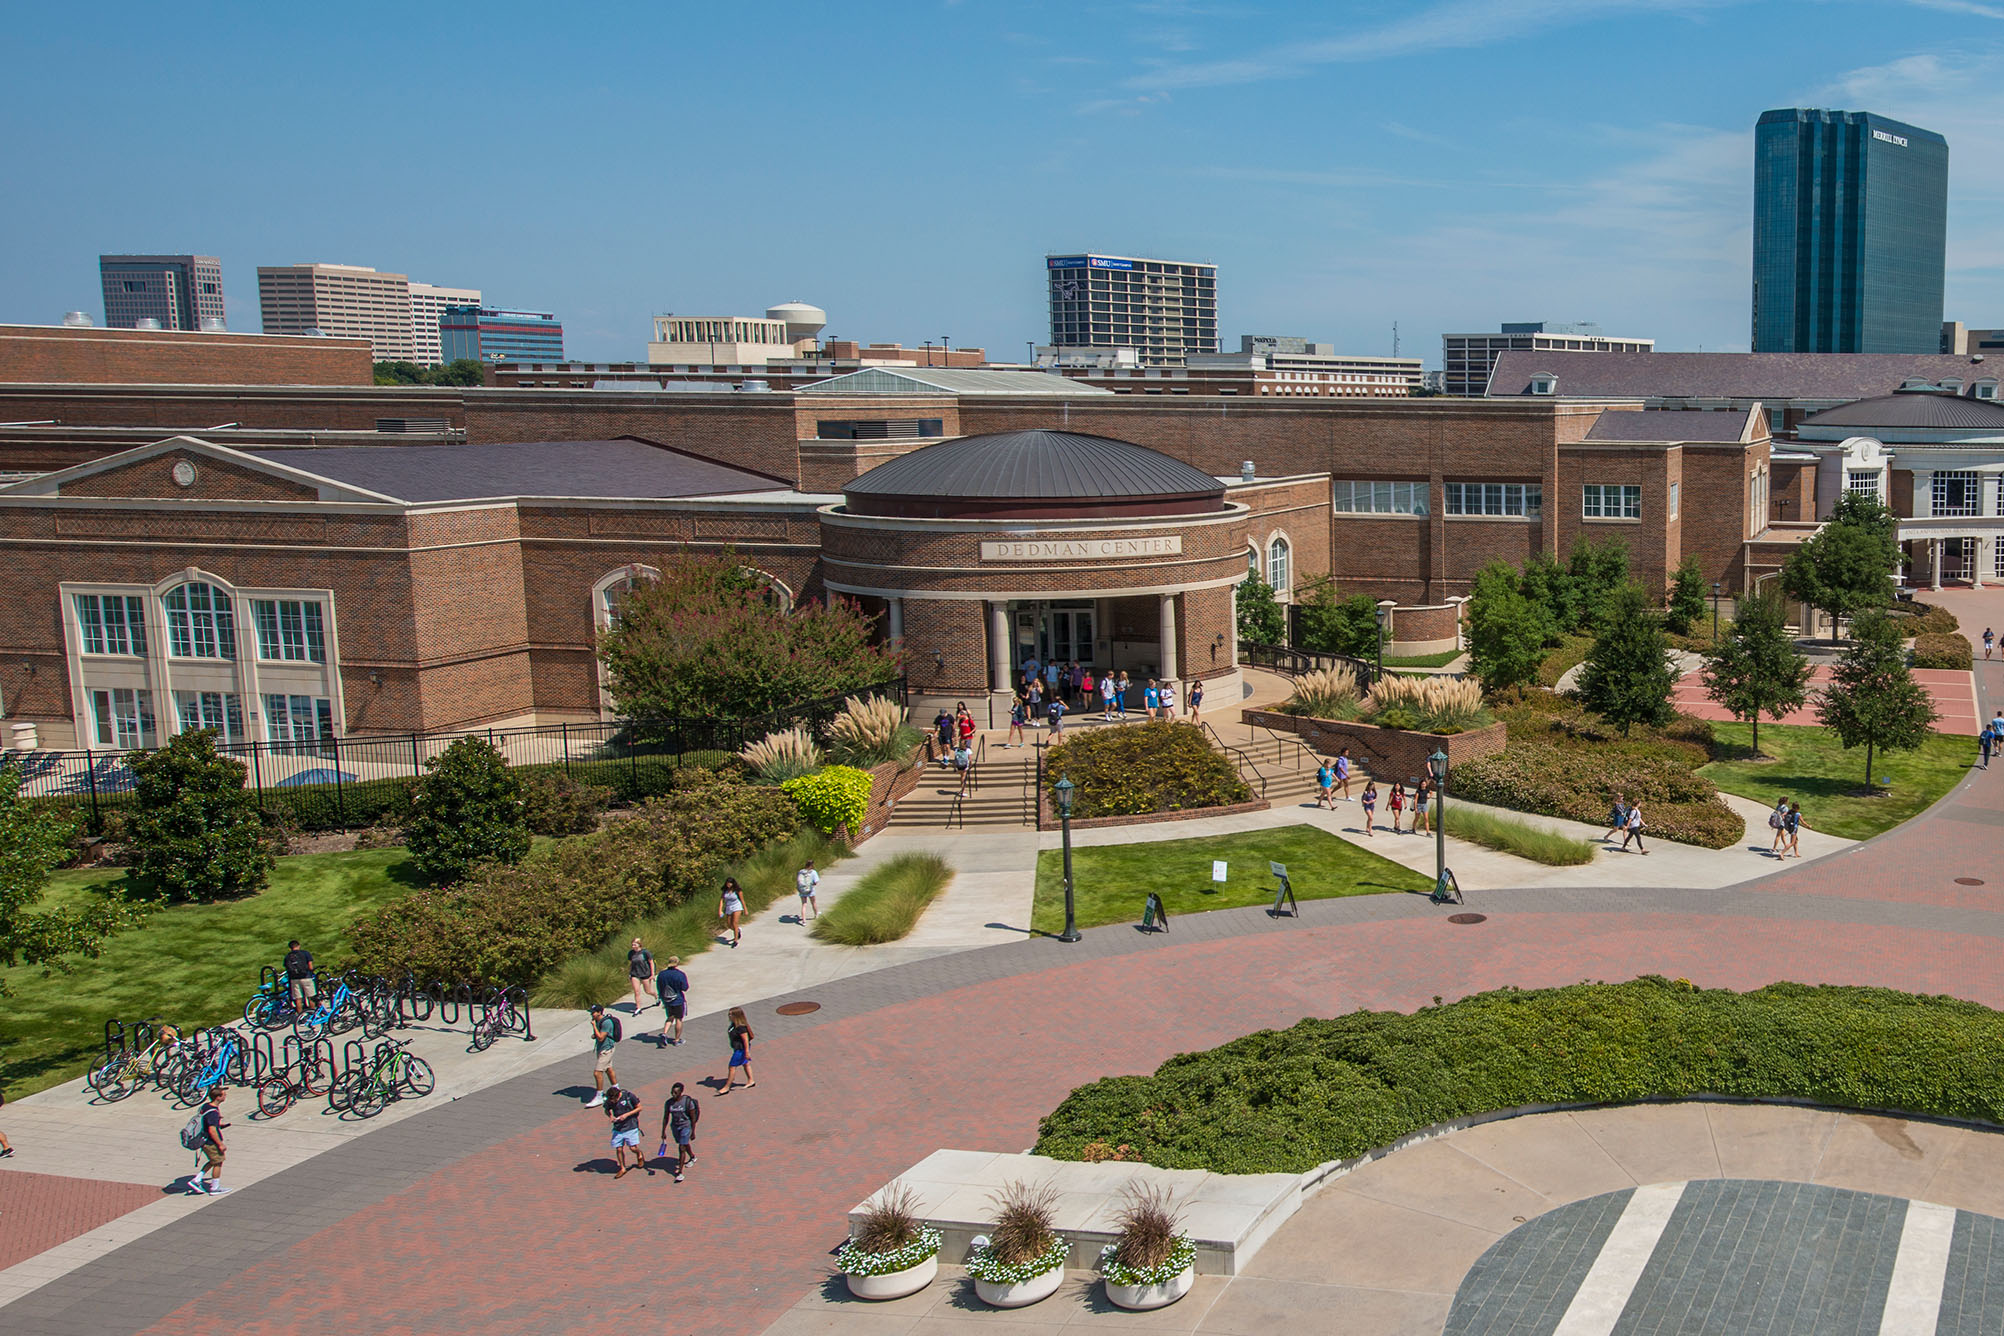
[(1082, 549)]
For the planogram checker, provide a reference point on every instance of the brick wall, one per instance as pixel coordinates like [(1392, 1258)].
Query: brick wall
[(44, 354), (1792, 496), (214, 480), (192, 408), (1386, 753), (751, 431), (1715, 506), (957, 630)]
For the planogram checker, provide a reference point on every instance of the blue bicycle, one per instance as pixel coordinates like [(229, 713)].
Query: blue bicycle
[(218, 1059), (335, 1012), (270, 1007)]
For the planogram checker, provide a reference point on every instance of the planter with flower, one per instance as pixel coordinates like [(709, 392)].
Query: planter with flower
[(1023, 1260), (1153, 1262), (891, 1252)]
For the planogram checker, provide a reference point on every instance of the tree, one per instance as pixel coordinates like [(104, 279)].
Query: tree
[(1687, 597), (1756, 668), (1627, 678), (709, 639), (1506, 630), (1550, 588), (1597, 572), (463, 371), (467, 809), (1332, 624), (196, 830), (1847, 565), (1261, 618), (1872, 697), (32, 841)]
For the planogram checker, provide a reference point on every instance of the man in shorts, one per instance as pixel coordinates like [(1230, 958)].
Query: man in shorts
[(299, 976), (623, 1108), (678, 1125), (603, 1041), (670, 983), (807, 881), (209, 1178)]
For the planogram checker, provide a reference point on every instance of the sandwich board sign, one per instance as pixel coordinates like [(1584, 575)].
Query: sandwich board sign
[(1283, 894), (1154, 917)]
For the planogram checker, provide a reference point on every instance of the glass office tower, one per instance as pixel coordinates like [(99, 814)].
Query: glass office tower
[(1850, 233)]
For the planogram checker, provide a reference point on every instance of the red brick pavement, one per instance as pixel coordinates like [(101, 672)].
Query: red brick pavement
[(531, 1236), (38, 1211), (1954, 699)]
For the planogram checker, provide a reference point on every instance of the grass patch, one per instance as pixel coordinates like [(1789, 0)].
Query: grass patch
[(1812, 767), (1570, 653), (1110, 881), (189, 964), (1517, 837), (1440, 660), (1284, 1101), (886, 903), (684, 930)]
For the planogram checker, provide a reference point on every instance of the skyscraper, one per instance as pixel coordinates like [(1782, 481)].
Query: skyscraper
[(1164, 309), (350, 300), (1850, 233), (179, 291), (484, 334), (428, 307)]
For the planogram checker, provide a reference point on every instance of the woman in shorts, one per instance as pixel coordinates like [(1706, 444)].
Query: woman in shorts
[(741, 1037), (731, 906), (640, 973), (1422, 792), (1370, 803), (1397, 804)]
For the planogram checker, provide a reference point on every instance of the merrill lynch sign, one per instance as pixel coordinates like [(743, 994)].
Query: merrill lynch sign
[(1077, 549)]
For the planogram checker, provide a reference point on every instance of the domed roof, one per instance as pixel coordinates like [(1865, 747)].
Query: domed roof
[(1918, 408), (1029, 473)]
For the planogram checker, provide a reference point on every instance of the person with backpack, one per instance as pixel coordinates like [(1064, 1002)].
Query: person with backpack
[(679, 1117), (640, 973), (1617, 817), (623, 1108), (940, 745), (204, 1134), (1984, 742), (299, 976), (1633, 830), (1056, 711), (671, 985), (807, 885), (1989, 641), (1792, 826), (963, 764), (741, 1036), (604, 1038), (1017, 718), (1777, 821)]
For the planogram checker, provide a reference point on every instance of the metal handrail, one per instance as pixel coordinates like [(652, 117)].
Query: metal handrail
[(1244, 758), (1291, 662)]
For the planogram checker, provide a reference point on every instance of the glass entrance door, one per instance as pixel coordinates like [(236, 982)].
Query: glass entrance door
[(1068, 635)]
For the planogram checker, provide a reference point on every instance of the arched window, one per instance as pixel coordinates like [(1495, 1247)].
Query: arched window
[(200, 624), (1252, 562), (608, 594), (1279, 565), (776, 592)]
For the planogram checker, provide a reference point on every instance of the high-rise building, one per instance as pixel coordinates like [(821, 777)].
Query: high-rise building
[(428, 307), (349, 300), (484, 334), (177, 291), (1467, 359), (1164, 309), (1850, 233)]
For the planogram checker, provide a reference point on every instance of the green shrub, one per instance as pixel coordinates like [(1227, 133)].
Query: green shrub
[(1570, 653), (467, 810), (1934, 650), (1579, 784), (1926, 619), (886, 903), (510, 923), (318, 807), (832, 798), (555, 804), (1154, 767), (195, 832), (1517, 837), (1284, 1101)]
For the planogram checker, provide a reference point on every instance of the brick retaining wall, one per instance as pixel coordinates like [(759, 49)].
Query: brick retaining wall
[(1387, 753)]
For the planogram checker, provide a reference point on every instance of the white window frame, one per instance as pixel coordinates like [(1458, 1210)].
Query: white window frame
[(123, 718), (603, 613), (222, 711), (289, 630), (191, 630), (1672, 501), (1493, 500), (100, 632), (1968, 480), (286, 729), (1280, 565), (1376, 497), (1610, 501), (1862, 482)]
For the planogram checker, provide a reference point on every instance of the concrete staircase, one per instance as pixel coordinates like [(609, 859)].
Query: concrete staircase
[(1002, 777)]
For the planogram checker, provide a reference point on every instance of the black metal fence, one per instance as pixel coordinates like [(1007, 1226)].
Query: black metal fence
[(344, 783), (1280, 659)]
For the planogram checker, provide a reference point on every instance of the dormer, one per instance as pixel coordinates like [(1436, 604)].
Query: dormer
[(1952, 385), (1984, 389), (1544, 383)]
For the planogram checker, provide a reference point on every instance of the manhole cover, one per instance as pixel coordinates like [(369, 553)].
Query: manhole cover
[(1467, 918), (797, 1008), (1969, 881)]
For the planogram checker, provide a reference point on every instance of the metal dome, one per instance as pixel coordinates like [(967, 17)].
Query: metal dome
[(1032, 474)]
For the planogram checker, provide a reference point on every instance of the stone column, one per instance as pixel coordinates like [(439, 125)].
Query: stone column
[(1167, 654), (1935, 545), (896, 625), (998, 645), (1979, 549)]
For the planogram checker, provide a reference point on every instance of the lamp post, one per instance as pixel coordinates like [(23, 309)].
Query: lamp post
[(1444, 886), (1380, 670), (1063, 792), (1715, 610)]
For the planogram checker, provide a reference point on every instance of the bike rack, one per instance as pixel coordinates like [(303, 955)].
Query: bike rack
[(518, 997), (354, 1055), (268, 977), (261, 1063), (114, 1039)]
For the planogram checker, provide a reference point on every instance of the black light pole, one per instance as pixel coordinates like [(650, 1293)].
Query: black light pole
[(1715, 610), (1436, 766), (1380, 672), (1063, 790)]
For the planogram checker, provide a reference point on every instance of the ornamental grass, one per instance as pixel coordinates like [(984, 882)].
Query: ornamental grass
[(1520, 838), (1426, 704), (1327, 693), (871, 732), (778, 757), (1025, 1223), (1149, 1227), (891, 1221), (885, 904)]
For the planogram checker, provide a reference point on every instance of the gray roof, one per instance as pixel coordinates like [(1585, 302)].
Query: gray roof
[(946, 380), (623, 469), (1035, 465), (1670, 424), (1836, 377), (1912, 408)]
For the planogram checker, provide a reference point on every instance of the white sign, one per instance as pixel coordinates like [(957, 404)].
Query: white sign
[(1082, 549), (1217, 869), (1901, 140)]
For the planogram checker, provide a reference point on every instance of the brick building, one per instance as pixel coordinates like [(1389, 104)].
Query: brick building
[(85, 355)]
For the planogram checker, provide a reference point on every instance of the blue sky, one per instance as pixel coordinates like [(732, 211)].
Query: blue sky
[(906, 165)]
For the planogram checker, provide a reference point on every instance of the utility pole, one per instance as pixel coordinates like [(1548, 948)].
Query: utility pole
[(1395, 338)]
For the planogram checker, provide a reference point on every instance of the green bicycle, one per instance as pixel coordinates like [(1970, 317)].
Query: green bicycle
[(394, 1073)]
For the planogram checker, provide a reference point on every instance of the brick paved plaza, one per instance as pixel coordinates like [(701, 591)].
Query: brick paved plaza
[(497, 1212)]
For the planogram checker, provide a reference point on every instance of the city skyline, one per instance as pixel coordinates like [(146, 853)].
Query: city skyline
[(1490, 163)]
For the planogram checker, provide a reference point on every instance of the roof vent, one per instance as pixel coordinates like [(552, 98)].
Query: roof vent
[(312, 333), (754, 387), (212, 324), (1976, 357), (1247, 472), (76, 320), (146, 322)]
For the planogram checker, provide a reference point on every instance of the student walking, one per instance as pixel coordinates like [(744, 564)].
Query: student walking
[(1015, 721), (604, 1038), (1777, 821), (1120, 690), (1168, 700), (1106, 690), (1617, 817), (963, 764), (1370, 804), (679, 1117), (1325, 784), (963, 726), (299, 976), (1792, 825), (640, 973), (1151, 700), (1422, 791), (1397, 805), (1088, 690), (209, 1178), (1196, 700), (939, 746), (807, 884), (1633, 830), (671, 985), (623, 1108), (1056, 711), (1989, 641), (731, 907), (741, 1037), (1343, 775), (1034, 690), (1984, 742)]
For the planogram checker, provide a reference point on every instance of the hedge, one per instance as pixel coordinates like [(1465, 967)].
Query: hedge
[(1927, 619), (1153, 767), (832, 797), (1285, 1101), (1677, 804), (1933, 650), (507, 925)]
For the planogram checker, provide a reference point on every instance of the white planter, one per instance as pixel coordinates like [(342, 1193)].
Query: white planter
[(1143, 1297), (1018, 1294), (895, 1284)]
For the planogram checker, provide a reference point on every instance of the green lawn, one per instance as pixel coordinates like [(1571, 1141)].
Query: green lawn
[(1110, 881), (190, 964), (1813, 769), (1440, 660)]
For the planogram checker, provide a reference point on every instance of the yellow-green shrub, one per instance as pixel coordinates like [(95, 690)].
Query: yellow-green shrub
[(835, 796)]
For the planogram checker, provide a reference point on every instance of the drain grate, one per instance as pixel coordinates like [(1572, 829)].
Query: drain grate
[(1467, 918), (1969, 881), (797, 1008)]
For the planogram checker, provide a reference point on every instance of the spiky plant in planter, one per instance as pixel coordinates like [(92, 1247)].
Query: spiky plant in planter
[(1148, 1265), (893, 1251), (1023, 1258), (778, 757), (871, 732)]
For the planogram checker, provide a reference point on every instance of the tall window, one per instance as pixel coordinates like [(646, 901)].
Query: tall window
[(221, 711), (199, 622), (1674, 489), (1955, 493), (112, 623), (1494, 498), (289, 630), (1252, 562), (124, 717), (1865, 483), (1378, 498), (299, 720), (1610, 501), (1279, 565)]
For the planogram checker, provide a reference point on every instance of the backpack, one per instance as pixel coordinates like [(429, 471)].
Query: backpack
[(610, 1024), (193, 1136), (1774, 820)]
